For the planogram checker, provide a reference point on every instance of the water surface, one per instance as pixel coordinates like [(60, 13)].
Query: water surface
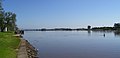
[(75, 44)]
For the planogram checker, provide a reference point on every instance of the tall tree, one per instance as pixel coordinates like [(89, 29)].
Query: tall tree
[(7, 19), (2, 25), (10, 19)]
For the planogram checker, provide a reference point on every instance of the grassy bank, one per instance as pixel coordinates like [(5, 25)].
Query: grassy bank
[(8, 44)]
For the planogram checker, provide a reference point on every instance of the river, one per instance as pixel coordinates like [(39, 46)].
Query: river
[(75, 44)]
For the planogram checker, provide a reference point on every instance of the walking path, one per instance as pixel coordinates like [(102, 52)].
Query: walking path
[(22, 49), (26, 50)]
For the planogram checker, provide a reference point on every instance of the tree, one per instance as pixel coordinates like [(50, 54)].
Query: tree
[(2, 25), (89, 27), (7, 19), (10, 19), (2, 22), (117, 25)]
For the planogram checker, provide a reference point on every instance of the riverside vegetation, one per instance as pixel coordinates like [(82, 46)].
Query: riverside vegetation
[(8, 45)]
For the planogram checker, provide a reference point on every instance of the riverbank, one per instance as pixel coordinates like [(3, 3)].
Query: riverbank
[(26, 50), (13, 46), (8, 45)]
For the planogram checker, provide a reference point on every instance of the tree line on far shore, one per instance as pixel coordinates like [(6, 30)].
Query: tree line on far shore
[(7, 20), (115, 27)]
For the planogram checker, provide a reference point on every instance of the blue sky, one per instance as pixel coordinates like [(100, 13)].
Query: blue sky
[(64, 13)]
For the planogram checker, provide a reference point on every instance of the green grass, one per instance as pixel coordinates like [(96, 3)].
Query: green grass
[(8, 44)]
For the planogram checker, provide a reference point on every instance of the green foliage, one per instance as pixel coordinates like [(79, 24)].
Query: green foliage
[(8, 44), (117, 25), (89, 27), (7, 19), (10, 19), (103, 28)]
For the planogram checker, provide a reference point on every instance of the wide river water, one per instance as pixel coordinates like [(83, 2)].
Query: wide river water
[(75, 44)]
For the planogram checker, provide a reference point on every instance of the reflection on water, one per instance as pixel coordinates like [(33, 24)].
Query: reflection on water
[(117, 33), (78, 44), (89, 32)]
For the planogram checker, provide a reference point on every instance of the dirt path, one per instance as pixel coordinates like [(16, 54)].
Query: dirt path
[(22, 49), (26, 50)]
